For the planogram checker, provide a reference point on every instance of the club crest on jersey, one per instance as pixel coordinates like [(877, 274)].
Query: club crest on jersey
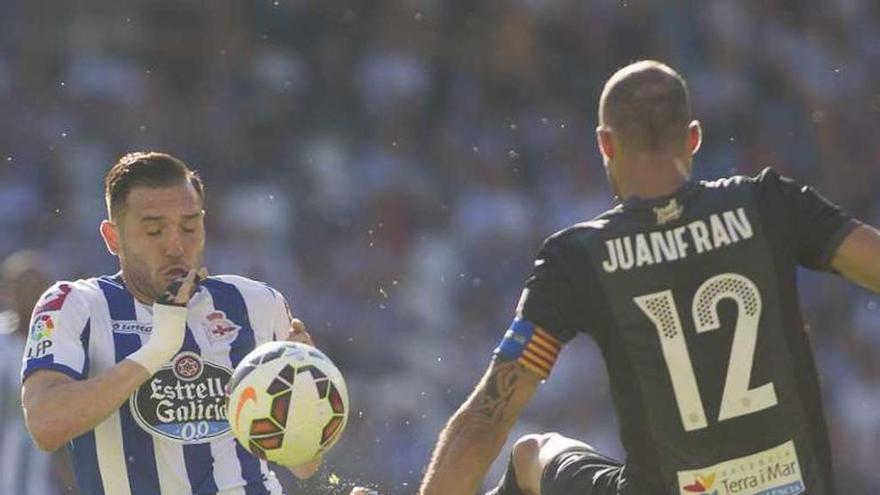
[(54, 299), (219, 328), (185, 401), (669, 213)]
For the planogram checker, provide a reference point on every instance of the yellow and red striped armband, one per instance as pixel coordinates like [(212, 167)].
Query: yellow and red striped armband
[(531, 346)]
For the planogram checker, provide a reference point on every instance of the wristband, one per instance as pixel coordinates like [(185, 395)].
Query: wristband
[(169, 326)]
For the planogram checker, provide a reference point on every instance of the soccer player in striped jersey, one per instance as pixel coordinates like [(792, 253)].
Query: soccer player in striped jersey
[(689, 290), (129, 370)]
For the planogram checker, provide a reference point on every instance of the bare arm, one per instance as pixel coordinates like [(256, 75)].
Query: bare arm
[(477, 431), (58, 408), (858, 257)]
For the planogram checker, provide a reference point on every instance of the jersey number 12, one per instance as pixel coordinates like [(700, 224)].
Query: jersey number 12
[(737, 399)]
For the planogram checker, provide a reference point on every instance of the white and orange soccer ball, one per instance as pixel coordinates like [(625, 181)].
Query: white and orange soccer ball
[(287, 403)]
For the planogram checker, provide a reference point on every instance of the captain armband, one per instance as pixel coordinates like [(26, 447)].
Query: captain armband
[(531, 346)]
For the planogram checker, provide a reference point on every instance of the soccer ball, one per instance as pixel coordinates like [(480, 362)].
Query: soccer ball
[(287, 403)]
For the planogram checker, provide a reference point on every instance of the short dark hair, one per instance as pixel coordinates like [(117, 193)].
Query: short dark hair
[(150, 169), (646, 104)]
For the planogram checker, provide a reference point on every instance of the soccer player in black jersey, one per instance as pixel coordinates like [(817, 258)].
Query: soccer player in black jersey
[(689, 290)]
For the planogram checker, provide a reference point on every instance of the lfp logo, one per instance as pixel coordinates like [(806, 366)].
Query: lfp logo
[(42, 328), (702, 485)]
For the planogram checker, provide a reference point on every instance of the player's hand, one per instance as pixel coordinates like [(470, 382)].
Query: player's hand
[(179, 292), (307, 470), (169, 322), (299, 334), (363, 491)]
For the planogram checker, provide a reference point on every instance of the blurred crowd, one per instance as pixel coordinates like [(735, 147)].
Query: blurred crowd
[(393, 166)]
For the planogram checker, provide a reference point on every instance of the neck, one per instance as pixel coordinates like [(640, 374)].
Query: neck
[(652, 176), (139, 294), (143, 299)]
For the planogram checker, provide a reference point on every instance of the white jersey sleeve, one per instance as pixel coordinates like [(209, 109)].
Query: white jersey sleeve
[(283, 316), (59, 333)]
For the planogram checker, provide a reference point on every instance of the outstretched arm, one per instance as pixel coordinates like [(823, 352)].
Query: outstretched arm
[(858, 257), (477, 431)]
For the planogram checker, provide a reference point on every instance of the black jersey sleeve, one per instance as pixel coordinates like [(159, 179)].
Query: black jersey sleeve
[(815, 225), (550, 299)]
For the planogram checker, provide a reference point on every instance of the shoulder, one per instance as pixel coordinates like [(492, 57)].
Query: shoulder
[(249, 289), (768, 177), (768, 187), (579, 234), (733, 182), (69, 296), (68, 305)]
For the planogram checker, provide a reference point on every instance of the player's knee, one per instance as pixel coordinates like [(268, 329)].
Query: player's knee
[(525, 457), (531, 453), (525, 452), (553, 444), (528, 448), (550, 437)]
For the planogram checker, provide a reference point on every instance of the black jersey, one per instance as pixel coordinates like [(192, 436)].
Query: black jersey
[(693, 302)]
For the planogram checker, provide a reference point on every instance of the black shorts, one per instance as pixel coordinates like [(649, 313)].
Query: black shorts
[(582, 471)]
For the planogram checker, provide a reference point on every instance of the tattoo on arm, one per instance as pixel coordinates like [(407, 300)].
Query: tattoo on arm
[(493, 399)]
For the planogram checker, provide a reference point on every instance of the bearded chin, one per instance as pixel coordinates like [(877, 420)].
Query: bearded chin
[(138, 280)]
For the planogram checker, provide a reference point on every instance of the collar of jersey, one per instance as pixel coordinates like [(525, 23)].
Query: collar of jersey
[(118, 279), (686, 190)]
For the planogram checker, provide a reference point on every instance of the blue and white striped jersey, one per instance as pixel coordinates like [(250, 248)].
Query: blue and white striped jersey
[(172, 436)]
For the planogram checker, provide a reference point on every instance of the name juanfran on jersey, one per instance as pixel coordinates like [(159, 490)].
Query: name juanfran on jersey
[(700, 236)]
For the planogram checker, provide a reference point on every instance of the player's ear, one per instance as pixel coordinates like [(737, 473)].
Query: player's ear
[(695, 136), (110, 234), (605, 142)]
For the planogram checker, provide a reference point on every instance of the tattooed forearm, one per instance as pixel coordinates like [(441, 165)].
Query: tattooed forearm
[(475, 434), (495, 394)]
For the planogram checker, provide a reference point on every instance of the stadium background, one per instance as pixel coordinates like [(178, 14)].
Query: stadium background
[(393, 166)]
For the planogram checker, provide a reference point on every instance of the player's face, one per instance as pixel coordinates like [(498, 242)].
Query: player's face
[(161, 236)]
